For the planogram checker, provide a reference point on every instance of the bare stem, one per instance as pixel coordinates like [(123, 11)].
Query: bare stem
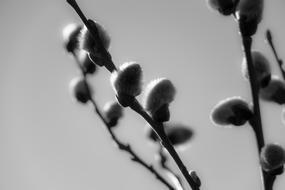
[(159, 130), (108, 63), (269, 182), (121, 146), (271, 44), (256, 120), (80, 67)]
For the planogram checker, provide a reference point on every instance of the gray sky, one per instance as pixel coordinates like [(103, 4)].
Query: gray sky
[(48, 142)]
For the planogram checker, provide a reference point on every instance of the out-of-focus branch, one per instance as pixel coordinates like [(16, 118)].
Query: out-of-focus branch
[(163, 163), (271, 44)]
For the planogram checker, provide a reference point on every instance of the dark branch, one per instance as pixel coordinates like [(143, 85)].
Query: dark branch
[(159, 130), (94, 33), (127, 148), (135, 106), (256, 120)]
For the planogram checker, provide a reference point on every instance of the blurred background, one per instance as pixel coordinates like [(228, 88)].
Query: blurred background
[(50, 142)]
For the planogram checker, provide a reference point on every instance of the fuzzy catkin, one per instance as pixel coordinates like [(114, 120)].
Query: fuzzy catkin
[(112, 110), (225, 7), (87, 41), (158, 93), (274, 91), (128, 79), (250, 9), (177, 133), (70, 35), (272, 156), (231, 111), (195, 177), (261, 66), (80, 89)]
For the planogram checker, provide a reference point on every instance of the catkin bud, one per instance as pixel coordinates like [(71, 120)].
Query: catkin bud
[(231, 111), (158, 95), (80, 89), (249, 14), (274, 91), (88, 43), (87, 65), (113, 112), (70, 37), (195, 177), (127, 81), (250, 9), (177, 133), (225, 7), (261, 67), (272, 156), (162, 114)]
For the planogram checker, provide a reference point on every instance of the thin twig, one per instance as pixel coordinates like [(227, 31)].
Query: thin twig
[(121, 146), (271, 44), (127, 148), (256, 120), (159, 130), (108, 63), (80, 67), (270, 179), (135, 105)]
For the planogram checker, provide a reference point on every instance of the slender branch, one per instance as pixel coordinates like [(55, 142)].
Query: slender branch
[(159, 129), (256, 120), (121, 146), (94, 33), (271, 44), (163, 160), (127, 148), (138, 108), (80, 67), (271, 177), (269, 181)]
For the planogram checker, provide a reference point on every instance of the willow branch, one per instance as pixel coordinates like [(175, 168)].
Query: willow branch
[(159, 130), (124, 147), (256, 120), (95, 35), (134, 105), (127, 148)]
